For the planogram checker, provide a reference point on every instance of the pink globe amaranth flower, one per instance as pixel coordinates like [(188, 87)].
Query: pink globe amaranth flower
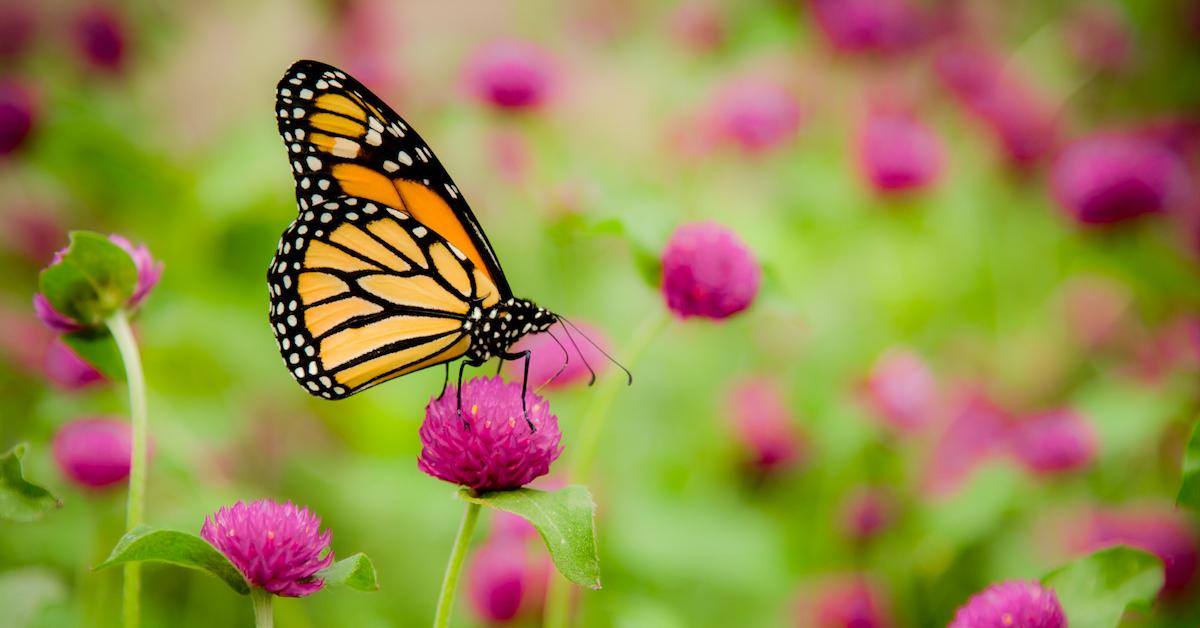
[(511, 75), (896, 152), (100, 37), (94, 452), (867, 513), (149, 271), (505, 580), (1053, 442), (17, 116), (708, 271), (65, 369), (851, 601), (756, 114), (1161, 530), (764, 426), (881, 26), (277, 547), (494, 450), (979, 430), (546, 357), (1011, 604), (902, 391), (1110, 178)]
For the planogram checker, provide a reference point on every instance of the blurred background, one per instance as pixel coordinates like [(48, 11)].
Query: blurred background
[(973, 356)]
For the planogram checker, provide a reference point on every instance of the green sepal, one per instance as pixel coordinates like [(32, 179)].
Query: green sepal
[(94, 278)]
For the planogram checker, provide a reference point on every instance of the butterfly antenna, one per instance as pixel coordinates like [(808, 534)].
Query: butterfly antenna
[(567, 331), (628, 375), (566, 361)]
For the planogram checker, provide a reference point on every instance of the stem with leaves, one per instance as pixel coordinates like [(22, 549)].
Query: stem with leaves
[(135, 510), (454, 567)]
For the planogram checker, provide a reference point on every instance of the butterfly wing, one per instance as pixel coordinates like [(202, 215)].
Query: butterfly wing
[(362, 292), (343, 140)]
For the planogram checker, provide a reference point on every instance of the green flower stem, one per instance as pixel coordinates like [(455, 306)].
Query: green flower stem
[(135, 509), (264, 617), (454, 566), (558, 595)]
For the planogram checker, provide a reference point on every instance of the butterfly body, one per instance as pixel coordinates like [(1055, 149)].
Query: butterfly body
[(385, 271)]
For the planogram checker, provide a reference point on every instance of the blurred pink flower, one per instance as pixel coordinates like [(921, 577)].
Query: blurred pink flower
[(897, 152), (764, 426), (901, 390), (867, 512), (497, 451), (698, 25), (24, 341), (1108, 178), (101, 37), (65, 369), (505, 579), (547, 356), (1026, 128), (707, 271), (149, 271), (512, 75), (756, 114), (1054, 442), (277, 547), (979, 430), (1011, 604), (1163, 531), (33, 231), (851, 601), (17, 115), (880, 26), (510, 527), (1099, 37), (94, 452), (18, 25)]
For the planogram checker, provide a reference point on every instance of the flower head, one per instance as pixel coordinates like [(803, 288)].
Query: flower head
[(902, 390), (707, 271), (1013, 603), (1052, 442), (149, 271), (510, 74), (755, 114), (547, 357), (843, 601), (979, 430), (896, 152), (277, 547), (764, 426), (881, 26), (17, 115), (94, 452), (489, 447), (1110, 178), (101, 38), (67, 370), (505, 579), (867, 512)]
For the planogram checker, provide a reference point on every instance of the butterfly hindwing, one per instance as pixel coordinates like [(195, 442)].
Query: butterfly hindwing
[(362, 292), (343, 140)]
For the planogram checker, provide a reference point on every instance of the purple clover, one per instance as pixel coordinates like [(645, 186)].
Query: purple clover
[(852, 600), (896, 152), (902, 391), (756, 114), (867, 513), (708, 272), (505, 580), (489, 447), (511, 75), (94, 452), (764, 427), (1011, 604), (1054, 442), (979, 430), (277, 547), (100, 37), (1110, 178), (17, 116), (65, 369), (149, 271), (880, 26)]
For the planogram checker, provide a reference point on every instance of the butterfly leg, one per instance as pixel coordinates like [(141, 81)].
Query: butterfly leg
[(461, 367), (446, 383), (524, 355)]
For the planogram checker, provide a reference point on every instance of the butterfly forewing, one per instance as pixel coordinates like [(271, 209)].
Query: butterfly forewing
[(342, 140), (362, 292)]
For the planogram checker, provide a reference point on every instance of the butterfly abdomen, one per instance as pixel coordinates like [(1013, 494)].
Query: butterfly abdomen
[(494, 329)]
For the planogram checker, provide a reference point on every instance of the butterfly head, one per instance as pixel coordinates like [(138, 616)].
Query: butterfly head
[(494, 329)]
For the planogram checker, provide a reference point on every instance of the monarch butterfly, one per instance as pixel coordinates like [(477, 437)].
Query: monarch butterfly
[(385, 271)]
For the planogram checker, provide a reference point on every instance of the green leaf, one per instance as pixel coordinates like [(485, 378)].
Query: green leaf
[(1189, 489), (566, 521), (1096, 589), (178, 548), (93, 279), (19, 499), (355, 572), (97, 347)]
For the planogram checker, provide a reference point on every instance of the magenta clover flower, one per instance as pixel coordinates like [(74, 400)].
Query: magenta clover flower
[(859, 26), (1111, 178), (708, 272), (764, 427), (17, 115), (149, 271), (1054, 442), (506, 579), (896, 152), (755, 113), (100, 37), (488, 447), (902, 390), (94, 452), (277, 547), (65, 369), (512, 75), (1011, 604)]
